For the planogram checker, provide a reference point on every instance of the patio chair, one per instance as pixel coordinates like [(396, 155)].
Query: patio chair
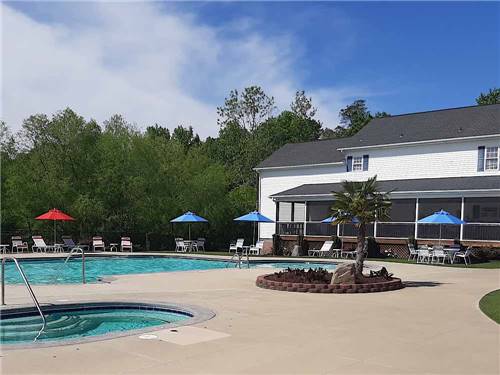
[(126, 244), (180, 247), (39, 245), (325, 250), (424, 255), (348, 253), (465, 255), (237, 245), (439, 254), (69, 244), (199, 244), (413, 252), (98, 243), (256, 249), (18, 244)]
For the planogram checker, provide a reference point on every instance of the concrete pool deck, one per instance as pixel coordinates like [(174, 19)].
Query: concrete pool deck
[(432, 326)]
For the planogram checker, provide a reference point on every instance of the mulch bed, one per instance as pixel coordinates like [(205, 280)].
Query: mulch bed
[(318, 281)]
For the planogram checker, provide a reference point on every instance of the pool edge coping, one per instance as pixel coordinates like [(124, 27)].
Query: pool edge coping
[(198, 315)]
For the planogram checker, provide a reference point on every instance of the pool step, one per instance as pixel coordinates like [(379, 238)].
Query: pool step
[(76, 327), (35, 324)]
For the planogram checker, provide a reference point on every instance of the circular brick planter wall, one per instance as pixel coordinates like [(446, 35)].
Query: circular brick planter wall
[(385, 286)]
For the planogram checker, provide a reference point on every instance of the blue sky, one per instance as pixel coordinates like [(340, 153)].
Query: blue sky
[(173, 63)]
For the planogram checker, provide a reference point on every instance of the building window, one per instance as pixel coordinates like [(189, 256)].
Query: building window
[(491, 160), (357, 163)]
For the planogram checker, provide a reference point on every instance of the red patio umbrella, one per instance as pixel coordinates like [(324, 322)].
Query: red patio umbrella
[(55, 215)]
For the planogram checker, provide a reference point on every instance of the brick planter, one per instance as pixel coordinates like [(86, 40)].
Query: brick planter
[(385, 286)]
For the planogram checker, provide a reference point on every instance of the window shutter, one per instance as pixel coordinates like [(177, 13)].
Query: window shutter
[(480, 158), (349, 164), (365, 162)]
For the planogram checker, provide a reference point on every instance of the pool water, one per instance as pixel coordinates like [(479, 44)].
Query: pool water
[(54, 271), (82, 323)]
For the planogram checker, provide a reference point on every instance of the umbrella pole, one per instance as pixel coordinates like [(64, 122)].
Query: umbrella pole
[(439, 234), (54, 232), (189, 231), (253, 233)]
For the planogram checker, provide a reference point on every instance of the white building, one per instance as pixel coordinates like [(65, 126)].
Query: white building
[(445, 159)]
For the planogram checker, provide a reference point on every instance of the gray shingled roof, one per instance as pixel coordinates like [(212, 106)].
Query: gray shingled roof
[(423, 185), (316, 152), (424, 126)]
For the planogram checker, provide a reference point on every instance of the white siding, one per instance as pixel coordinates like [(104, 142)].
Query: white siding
[(453, 159)]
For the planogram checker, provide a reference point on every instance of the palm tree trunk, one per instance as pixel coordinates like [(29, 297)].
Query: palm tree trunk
[(360, 249)]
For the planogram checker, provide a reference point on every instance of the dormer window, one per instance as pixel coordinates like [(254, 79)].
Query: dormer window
[(491, 160), (357, 163)]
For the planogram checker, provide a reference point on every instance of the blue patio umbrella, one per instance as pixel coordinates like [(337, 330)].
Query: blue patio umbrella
[(441, 217), (255, 217), (189, 217)]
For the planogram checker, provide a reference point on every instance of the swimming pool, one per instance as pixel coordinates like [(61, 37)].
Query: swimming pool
[(54, 271)]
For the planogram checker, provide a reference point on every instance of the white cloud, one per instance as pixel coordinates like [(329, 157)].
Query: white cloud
[(149, 64)]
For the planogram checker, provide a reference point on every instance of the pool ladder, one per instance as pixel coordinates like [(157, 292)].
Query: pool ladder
[(28, 286), (238, 258), (71, 253)]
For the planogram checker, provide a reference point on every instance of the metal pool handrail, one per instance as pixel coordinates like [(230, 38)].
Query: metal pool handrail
[(239, 260), (28, 286), (74, 250)]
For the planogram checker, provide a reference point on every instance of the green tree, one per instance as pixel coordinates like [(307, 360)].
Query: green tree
[(352, 119), (186, 136), (491, 97), (360, 203), (248, 109), (302, 106)]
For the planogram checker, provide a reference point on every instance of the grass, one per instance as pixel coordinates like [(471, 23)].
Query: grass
[(490, 305), (492, 264)]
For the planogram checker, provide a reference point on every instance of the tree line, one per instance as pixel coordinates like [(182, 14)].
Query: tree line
[(116, 179)]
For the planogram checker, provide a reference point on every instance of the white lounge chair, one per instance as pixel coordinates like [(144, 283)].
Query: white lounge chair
[(40, 245), (18, 245), (325, 250), (465, 255), (126, 244), (98, 243), (257, 248), (236, 246)]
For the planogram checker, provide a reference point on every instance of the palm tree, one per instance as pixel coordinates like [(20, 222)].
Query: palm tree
[(360, 203)]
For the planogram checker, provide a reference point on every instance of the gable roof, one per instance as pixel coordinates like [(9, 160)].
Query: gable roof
[(415, 127), (474, 183)]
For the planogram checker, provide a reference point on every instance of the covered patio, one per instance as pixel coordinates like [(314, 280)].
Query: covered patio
[(476, 200)]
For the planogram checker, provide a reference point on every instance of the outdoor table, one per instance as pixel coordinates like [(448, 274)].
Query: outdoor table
[(113, 247), (4, 248), (58, 247)]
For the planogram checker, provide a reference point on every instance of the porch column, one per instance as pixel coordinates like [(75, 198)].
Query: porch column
[(416, 219), (462, 209), (305, 218), (375, 229)]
